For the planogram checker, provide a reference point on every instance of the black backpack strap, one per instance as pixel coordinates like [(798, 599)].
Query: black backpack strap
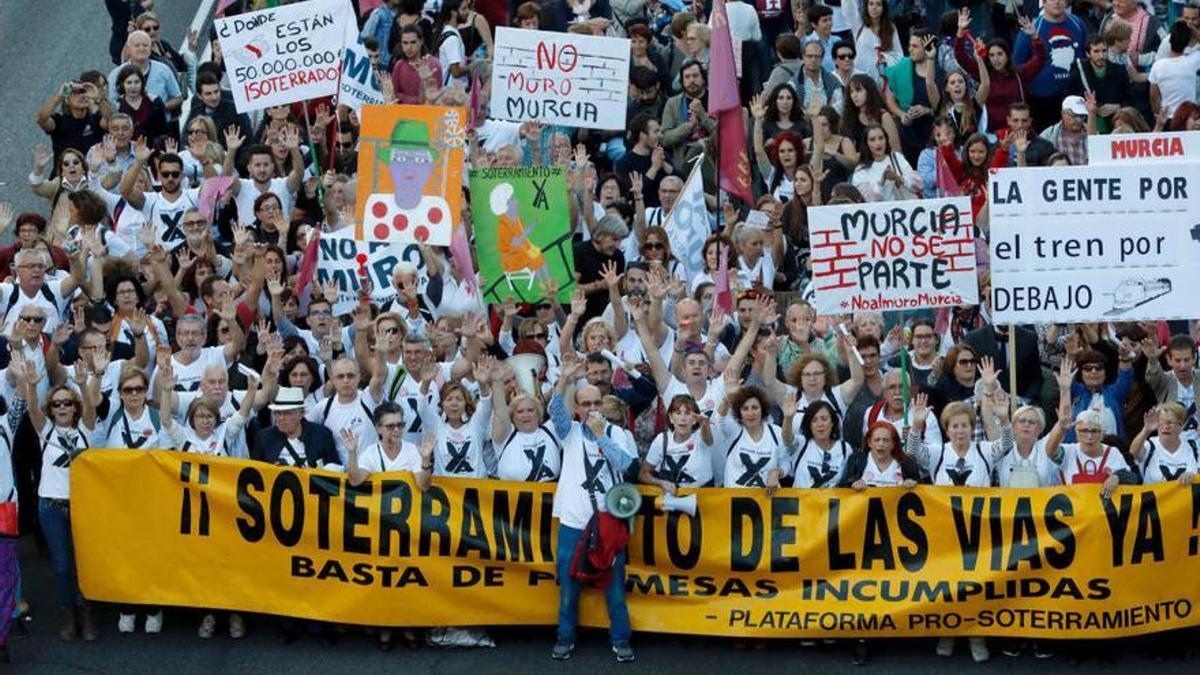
[(554, 438), (1195, 450), (832, 401), (328, 407)]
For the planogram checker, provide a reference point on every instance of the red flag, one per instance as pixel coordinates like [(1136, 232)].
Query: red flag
[(308, 263), (946, 185), (460, 256), (724, 295), (724, 100)]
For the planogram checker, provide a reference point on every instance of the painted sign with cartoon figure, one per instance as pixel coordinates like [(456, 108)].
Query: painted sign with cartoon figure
[(522, 232), (410, 163)]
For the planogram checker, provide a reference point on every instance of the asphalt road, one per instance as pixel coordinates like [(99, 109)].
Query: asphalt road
[(43, 43)]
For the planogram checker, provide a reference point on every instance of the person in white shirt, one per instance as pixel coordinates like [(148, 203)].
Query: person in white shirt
[(1167, 457), (32, 288), (1173, 79), (526, 449), (595, 458), (751, 441), (163, 211), (260, 164), (347, 407), (193, 357), (64, 428), (883, 174), (460, 425), (387, 453), (743, 21), (207, 431), (681, 456), (821, 454), (1089, 460)]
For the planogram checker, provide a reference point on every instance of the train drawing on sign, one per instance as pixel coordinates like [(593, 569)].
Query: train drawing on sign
[(1131, 293)]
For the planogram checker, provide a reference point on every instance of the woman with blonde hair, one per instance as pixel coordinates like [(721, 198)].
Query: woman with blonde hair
[(203, 157), (1165, 457), (527, 449)]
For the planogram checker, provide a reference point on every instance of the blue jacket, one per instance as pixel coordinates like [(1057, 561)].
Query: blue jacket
[(379, 26), (1114, 399)]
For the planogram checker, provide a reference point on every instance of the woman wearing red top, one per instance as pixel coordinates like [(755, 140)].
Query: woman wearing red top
[(1007, 81), (971, 170)]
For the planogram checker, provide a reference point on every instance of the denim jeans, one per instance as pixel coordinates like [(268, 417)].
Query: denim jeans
[(569, 590), (56, 526)]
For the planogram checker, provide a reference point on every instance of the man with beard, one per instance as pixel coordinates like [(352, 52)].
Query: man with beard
[(162, 210), (416, 74), (644, 94), (685, 119), (260, 164), (647, 157)]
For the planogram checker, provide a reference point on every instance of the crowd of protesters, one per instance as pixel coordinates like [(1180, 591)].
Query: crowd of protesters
[(135, 316)]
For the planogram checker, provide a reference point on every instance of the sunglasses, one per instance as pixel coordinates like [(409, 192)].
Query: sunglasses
[(62, 403), (543, 305), (72, 162), (197, 131), (133, 390), (844, 56), (1093, 368), (654, 245), (170, 174), (967, 362), (536, 336), (391, 427), (34, 319)]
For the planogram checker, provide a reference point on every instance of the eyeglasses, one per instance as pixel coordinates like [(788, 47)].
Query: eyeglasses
[(844, 56), (126, 291), (33, 319), (588, 404), (32, 266), (196, 223), (654, 245), (170, 174), (133, 390), (1090, 431), (62, 403), (392, 426), (967, 362), (1093, 368)]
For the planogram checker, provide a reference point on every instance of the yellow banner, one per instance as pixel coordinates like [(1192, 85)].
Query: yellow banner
[(166, 528)]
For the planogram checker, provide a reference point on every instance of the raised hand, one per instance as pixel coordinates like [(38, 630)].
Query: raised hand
[(1027, 27), (137, 321), (275, 284), (789, 406), (141, 150), (1066, 374), (610, 275), (757, 108), (41, 156), (233, 138), (964, 19), (919, 409), (988, 372), (349, 439), (291, 137), (6, 216)]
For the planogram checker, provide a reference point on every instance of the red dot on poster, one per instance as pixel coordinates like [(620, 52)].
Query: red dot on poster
[(421, 233), (400, 222), (381, 231), (362, 257), (379, 210), (435, 215)]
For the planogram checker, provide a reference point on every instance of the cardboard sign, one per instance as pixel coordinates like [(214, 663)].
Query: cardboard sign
[(346, 260), (893, 255), (560, 78), (1116, 242), (286, 54), (360, 82), (522, 232), (1143, 148), (410, 162)]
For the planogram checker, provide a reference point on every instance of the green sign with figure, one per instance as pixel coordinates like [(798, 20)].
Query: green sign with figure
[(522, 232)]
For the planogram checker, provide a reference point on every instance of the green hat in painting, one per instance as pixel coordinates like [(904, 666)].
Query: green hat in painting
[(407, 135)]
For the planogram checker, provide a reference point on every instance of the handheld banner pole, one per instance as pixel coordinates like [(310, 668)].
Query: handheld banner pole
[(1012, 370), (904, 372), (313, 149)]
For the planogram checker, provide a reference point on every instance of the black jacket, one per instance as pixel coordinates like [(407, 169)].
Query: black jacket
[(1029, 364), (319, 447)]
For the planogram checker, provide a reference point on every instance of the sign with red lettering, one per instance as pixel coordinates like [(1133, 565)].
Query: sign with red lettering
[(893, 255), (285, 54), (560, 78), (1156, 147)]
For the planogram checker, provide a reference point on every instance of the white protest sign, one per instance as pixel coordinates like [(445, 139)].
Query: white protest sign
[(1116, 242), (885, 256), (360, 82), (560, 78), (1143, 148), (285, 54), (687, 224), (342, 258)]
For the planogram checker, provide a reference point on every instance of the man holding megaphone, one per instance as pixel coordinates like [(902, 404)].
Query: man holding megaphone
[(591, 542)]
